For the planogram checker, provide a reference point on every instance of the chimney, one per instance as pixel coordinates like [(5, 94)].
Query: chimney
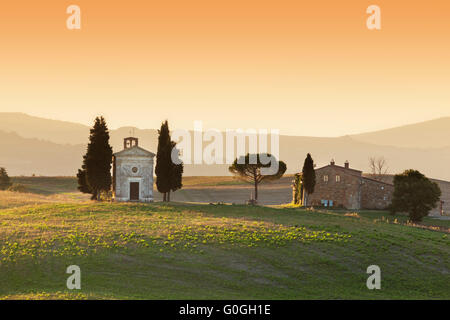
[(130, 142), (332, 162), (347, 164)]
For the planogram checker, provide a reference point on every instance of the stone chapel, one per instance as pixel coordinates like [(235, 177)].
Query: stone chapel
[(132, 173)]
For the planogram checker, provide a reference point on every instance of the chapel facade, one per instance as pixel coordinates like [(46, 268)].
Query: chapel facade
[(132, 173)]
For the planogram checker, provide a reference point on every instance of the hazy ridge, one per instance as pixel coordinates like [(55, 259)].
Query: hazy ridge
[(50, 147)]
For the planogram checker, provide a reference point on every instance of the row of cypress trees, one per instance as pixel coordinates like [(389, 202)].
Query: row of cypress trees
[(94, 177)]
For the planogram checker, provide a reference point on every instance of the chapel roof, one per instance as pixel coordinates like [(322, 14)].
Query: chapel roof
[(134, 151)]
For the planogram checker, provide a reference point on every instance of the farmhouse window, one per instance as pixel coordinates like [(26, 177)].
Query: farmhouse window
[(325, 178), (327, 203), (338, 178)]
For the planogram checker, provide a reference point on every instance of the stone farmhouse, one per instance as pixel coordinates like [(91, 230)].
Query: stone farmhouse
[(343, 187), (132, 173)]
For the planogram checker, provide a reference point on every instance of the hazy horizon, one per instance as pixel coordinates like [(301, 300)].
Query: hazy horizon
[(206, 128), (55, 147)]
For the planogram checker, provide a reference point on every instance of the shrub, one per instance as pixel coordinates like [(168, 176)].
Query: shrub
[(16, 187), (5, 181), (415, 194), (106, 195)]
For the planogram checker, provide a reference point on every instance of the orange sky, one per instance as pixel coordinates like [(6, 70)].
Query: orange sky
[(305, 67)]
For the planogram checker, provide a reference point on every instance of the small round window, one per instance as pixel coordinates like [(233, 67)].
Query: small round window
[(135, 169)]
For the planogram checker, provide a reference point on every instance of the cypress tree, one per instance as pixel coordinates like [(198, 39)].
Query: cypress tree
[(5, 181), (163, 160), (168, 174), (97, 161), (82, 181), (176, 173), (308, 177)]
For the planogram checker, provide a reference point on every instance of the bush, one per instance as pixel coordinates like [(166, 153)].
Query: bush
[(106, 195), (16, 187), (5, 181), (415, 194)]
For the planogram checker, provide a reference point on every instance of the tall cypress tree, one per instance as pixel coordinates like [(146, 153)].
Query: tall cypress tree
[(176, 173), (168, 174), (163, 160), (308, 177), (97, 161)]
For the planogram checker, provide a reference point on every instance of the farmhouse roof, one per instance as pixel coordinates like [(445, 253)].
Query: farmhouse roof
[(353, 172), (375, 180), (339, 167)]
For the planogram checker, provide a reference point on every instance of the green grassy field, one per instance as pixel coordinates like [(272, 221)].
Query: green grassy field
[(182, 251)]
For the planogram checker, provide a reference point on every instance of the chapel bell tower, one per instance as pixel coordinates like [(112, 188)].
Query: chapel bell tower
[(130, 142)]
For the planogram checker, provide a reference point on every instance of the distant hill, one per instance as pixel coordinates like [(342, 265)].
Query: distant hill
[(51, 147), (428, 134), (22, 156), (62, 132)]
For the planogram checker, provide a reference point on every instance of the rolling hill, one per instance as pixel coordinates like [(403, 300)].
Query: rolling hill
[(429, 134), (194, 251), (51, 147), (25, 156), (61, 132)]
